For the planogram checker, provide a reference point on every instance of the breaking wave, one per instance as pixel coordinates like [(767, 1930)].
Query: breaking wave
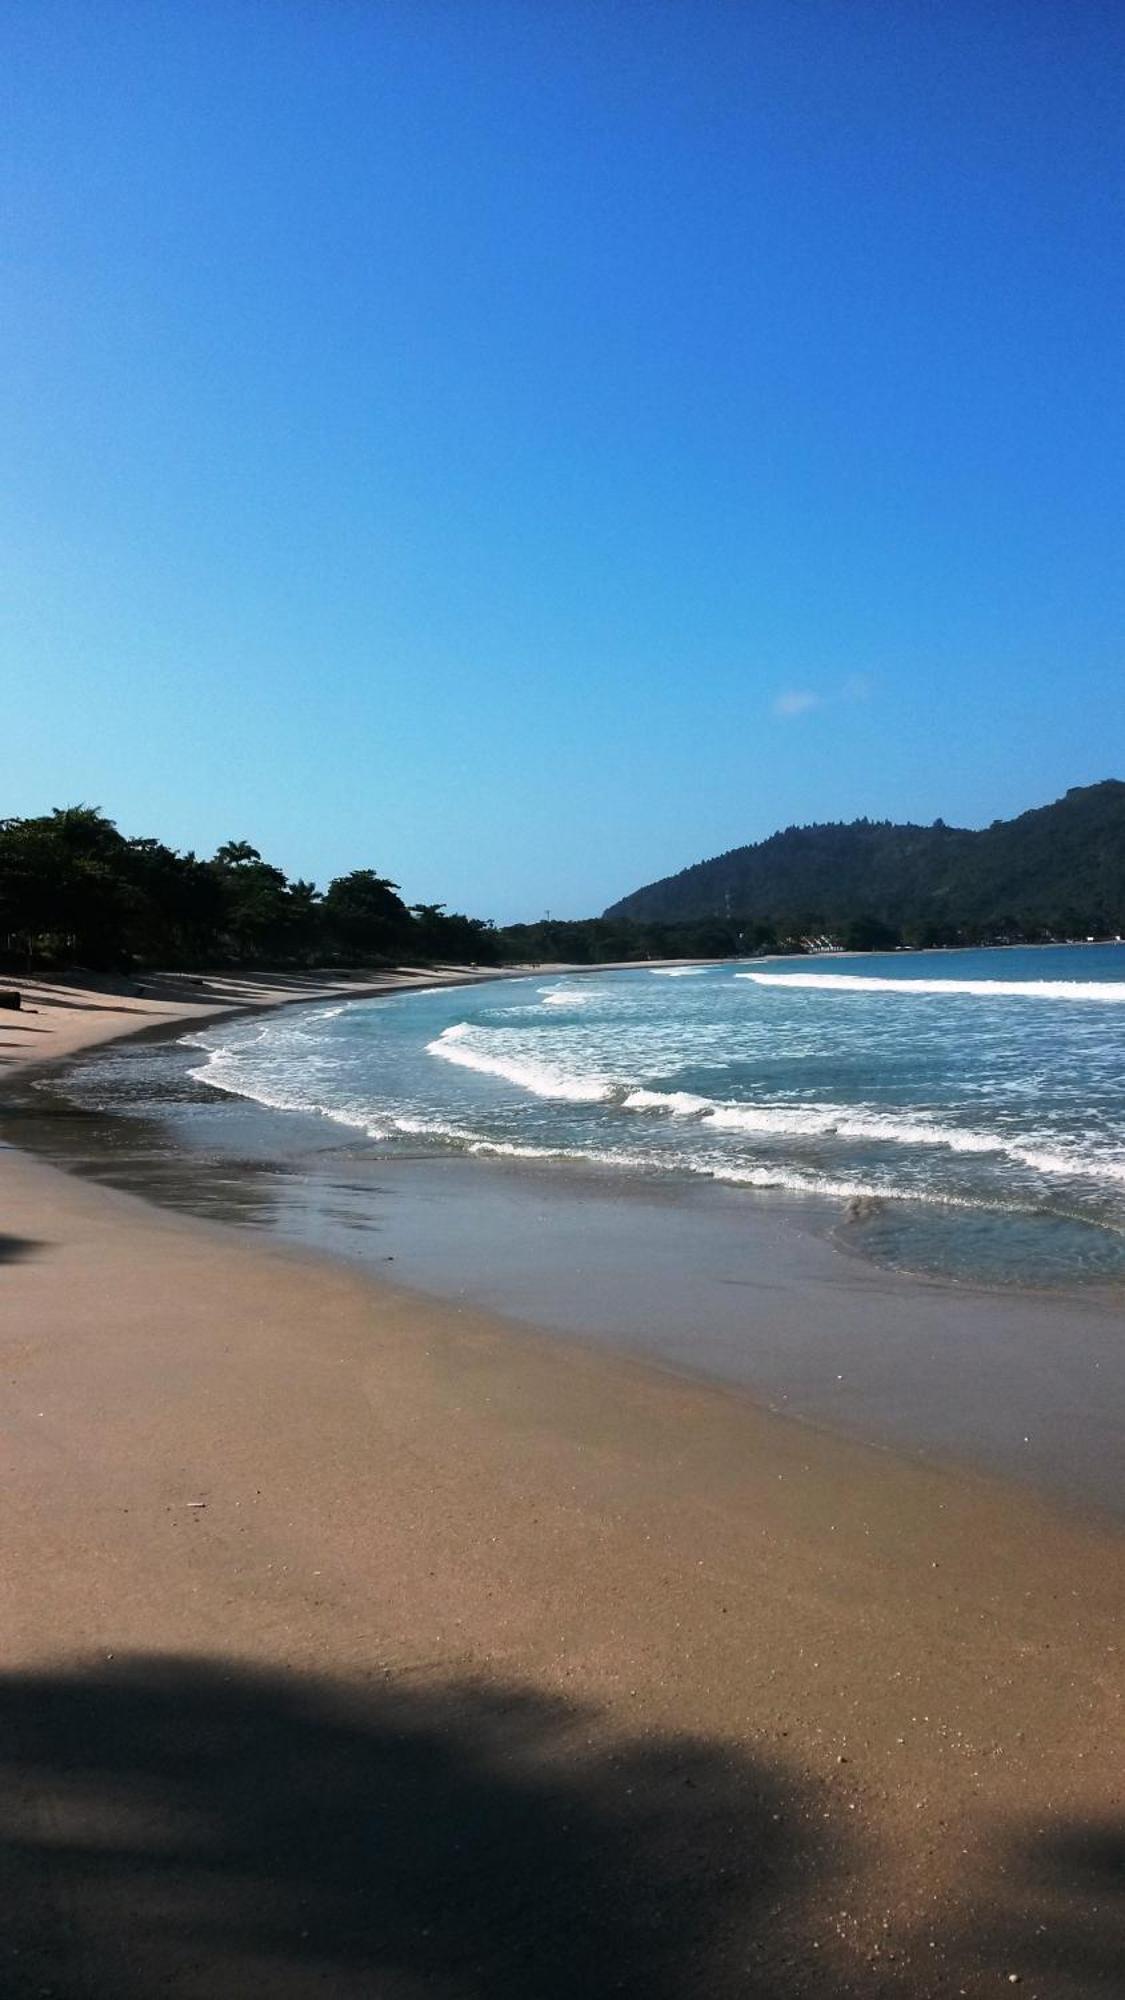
[(1109, 991), (838, 1121), (457, 1045), (1000, 1109), (461, 1044), (568, 996)]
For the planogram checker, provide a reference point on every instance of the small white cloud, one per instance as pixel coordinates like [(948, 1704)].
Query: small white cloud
[(792, 702), (796, 701)]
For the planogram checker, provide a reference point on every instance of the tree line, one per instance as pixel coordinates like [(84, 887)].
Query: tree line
[(74, 890)]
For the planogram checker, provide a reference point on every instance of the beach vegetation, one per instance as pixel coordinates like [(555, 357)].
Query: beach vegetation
[(76, 891)]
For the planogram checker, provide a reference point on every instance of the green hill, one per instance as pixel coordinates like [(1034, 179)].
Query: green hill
[(1058, 870)]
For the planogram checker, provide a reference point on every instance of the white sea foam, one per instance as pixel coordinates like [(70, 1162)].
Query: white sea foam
[(387, 1125), (237, 1067), (838, 1121), (782, 1179), (258, 1091), (456, 1045), (1033, 1120), (375, 1122), (1105, 990), (598, 1156), (790, 1181), (429, 1128), (568, 996), (677, 971), (681, 1103)]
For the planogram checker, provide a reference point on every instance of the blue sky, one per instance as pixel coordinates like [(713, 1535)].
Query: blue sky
[(530, 447)]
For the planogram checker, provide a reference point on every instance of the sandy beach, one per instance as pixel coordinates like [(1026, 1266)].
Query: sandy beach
[(358, 1643), (59, 1018)]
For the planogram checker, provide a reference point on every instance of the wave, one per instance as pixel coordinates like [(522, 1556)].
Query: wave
[(681, 1103), (290, 1100), (389, 1124), (1107, 991), (412, 1127), (382, 1124), (789, 1180), (561, 996), (460, 1044), (677, 971), (386, 1125), (542, 1079), (226, 1071), (774, 1122), (838, 1121)]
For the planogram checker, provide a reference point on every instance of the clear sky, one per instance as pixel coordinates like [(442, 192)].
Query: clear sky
[(530, 445)]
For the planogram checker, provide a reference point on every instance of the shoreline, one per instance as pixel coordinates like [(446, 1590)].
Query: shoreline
[(297, 1561), (164, 1001), (758, 1294)]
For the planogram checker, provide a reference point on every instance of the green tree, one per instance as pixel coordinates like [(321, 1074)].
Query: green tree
[(262, 920), (365, 917), (64, 889)]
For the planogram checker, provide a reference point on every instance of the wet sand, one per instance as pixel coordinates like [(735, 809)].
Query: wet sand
[(363, 1644), (744, 1287)]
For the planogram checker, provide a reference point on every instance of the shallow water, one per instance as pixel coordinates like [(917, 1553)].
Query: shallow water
[(964, 1110), (669, 1244)]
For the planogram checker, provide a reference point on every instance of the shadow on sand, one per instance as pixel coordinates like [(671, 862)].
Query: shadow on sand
[(192, 1827), (13, 1249)]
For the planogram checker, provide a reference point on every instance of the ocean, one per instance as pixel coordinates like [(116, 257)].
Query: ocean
[(956, 1114)]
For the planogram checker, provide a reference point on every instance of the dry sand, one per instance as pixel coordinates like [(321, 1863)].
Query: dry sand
[(59, 1018), (356, 1645)]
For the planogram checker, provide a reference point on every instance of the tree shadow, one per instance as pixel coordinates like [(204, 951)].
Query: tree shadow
[(192, 1826), (84, 1006), (14, 1248), (1055, 1914)]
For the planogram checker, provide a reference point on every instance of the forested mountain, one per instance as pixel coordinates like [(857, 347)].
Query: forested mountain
[(1058, 870)]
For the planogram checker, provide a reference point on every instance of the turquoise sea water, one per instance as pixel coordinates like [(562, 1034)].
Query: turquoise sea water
[(962, 1112)]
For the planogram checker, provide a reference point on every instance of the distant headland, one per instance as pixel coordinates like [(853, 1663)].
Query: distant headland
[(1057, 872)]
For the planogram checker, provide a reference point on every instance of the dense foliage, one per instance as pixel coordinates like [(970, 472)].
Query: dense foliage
[(74, 890), (1055, 872), (602, 940)]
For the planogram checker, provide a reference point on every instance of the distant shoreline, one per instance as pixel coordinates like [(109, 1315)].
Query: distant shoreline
[(72, 1014)]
